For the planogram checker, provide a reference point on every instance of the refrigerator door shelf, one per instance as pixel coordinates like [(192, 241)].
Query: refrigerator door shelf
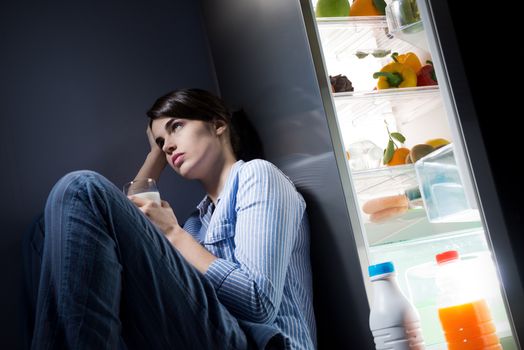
[(404, 22), (413, 34), (445, 197)]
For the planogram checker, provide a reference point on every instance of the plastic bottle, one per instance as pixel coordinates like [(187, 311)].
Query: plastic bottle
[(463, 312), (393, 320)]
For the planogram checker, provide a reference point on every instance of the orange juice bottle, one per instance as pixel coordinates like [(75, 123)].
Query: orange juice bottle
[(463, 312)]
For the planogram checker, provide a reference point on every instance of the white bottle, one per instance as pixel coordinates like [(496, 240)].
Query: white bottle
[(393, 320)]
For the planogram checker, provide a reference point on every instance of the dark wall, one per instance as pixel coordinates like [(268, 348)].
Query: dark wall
[(75, 81)]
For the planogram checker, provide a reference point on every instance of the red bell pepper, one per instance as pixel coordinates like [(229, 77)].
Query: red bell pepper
[(426, 75)]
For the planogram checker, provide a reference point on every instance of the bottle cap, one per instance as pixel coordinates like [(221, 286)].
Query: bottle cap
[(447, 256), (379, 269)]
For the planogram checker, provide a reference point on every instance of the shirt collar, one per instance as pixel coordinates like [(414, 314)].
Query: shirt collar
[(206, 201)]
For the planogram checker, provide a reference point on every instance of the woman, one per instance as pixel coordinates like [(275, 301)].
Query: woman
[(236, 275)]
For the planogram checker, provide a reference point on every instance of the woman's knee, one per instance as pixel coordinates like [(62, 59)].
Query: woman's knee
[(81, 176), (78, 184), (82, 179)]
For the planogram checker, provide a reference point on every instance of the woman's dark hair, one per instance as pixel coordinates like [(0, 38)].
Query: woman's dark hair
[(198, 104)]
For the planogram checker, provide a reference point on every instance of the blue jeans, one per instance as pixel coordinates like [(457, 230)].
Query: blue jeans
[(109, 276)]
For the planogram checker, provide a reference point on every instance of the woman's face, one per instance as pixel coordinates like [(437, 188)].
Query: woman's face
[(191, 146)]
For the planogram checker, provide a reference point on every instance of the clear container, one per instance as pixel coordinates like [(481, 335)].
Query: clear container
[(385, 182), (404, 22), (441, 186)]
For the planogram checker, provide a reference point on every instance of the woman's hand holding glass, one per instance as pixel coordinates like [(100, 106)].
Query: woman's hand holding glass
[(162, 215), (145, 195)]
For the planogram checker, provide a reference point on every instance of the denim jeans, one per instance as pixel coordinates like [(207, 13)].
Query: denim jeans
[(109, 277)]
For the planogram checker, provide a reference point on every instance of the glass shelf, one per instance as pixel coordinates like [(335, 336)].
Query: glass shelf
[(412, 226), (343, 37), (405, 103), (355, 21)]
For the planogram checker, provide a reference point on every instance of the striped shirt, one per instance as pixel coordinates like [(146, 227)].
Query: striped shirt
[(260, 235)]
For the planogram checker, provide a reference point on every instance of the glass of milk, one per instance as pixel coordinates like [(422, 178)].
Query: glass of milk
[(143, 188)]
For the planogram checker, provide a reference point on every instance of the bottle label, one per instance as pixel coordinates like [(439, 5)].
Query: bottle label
[(399, 338)]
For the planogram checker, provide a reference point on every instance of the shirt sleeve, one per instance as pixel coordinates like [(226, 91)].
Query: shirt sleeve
[(192, 225), (269, 212)]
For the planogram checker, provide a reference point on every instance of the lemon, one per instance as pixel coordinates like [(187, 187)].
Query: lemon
[(437, 142)]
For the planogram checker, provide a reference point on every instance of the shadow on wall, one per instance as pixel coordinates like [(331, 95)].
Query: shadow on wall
[(341, 314), (340, 306), (297, 139)]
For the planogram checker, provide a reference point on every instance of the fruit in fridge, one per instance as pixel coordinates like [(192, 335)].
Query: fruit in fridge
[(332, 8), (437, 142), (420, 150), (367, 8), (399, 156)]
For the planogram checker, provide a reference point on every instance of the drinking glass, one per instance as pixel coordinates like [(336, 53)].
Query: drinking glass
[(143, 188)]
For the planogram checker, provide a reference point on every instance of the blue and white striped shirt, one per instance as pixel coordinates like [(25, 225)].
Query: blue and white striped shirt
[(260, 234)]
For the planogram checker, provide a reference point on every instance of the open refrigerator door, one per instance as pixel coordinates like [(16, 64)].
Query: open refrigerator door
[(405, 157)]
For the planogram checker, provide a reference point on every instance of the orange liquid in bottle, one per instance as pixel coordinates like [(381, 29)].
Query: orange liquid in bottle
[(469, 326)]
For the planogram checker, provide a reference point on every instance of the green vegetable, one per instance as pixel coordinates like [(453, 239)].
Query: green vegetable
[(380, 5)]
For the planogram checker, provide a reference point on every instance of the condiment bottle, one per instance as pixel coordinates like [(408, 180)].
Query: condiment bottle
[(393, 320), (463, 312)]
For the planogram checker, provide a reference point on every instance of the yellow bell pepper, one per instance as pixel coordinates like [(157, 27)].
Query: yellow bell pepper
[(408, 58), (396, 75)]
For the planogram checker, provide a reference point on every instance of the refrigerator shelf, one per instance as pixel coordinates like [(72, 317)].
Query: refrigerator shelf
[(356, 21), (405, 104), (415, 265), (343, 37), (412, 225), (395, 92), (359, 46)]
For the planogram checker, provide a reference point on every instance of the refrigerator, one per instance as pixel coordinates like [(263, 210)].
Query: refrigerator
[(276, 59)]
